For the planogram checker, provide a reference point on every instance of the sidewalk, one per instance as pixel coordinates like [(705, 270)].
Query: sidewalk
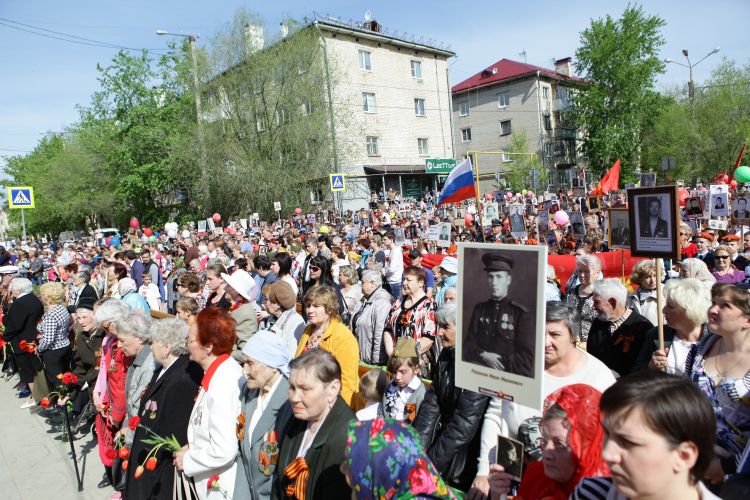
[(35, 464)]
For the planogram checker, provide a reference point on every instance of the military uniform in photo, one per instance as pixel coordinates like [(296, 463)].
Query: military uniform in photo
[(501, 326)]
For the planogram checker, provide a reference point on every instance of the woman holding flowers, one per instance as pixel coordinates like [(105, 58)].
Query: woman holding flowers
[(212, 443), (164, 411)]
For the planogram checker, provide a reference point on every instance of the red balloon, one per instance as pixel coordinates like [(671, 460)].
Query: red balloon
[(148, 231), (733, 184), (217, 217), (298, 211), (134, 223), (725, 179)]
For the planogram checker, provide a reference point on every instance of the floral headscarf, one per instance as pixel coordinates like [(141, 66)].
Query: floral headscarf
[(386, 461)]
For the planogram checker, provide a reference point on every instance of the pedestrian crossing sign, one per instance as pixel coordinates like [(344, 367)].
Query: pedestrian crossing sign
[(337, 182), (21, 197)]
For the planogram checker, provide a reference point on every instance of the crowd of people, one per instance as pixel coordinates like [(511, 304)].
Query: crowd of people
[(315, 358)]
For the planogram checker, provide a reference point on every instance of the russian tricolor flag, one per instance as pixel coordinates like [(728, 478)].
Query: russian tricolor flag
[(459, 185)]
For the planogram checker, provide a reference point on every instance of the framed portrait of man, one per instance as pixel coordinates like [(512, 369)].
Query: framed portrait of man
[(741, 207), (500, 321), (694, 208), (576, 224), (618, 228), (648, 180), (542, 224), (593, 203), (517, 224), (719, 204), (444, 236), (654, 216)]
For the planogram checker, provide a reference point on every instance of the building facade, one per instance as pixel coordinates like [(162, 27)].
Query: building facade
[(509, 97)]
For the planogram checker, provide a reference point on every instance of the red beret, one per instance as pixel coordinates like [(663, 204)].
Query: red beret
[(706, 236), (731, 237)]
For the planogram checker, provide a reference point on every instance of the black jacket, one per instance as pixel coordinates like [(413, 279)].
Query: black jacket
[(20, 322), (618, 350), (87, 296), (651, 344), (85, 362), (450, 423)]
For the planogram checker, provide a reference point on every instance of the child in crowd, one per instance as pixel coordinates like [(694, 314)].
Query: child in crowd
[(187, 308), (372, 388), (150, 292), (406, 390)]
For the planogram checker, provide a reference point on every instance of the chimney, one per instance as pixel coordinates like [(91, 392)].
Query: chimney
[(372, 26), (562, 66), (253, 38)]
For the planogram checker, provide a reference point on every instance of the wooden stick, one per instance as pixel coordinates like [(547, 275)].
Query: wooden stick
[(480, 212), (659, 315)]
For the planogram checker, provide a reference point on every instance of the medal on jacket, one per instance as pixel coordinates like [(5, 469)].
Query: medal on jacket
[(269, 452), (240, 429), (151, 407)]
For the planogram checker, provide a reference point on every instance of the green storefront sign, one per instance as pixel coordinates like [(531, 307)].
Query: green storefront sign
[(439, 165)]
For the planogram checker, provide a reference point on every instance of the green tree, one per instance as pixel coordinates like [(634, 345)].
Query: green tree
[(619, 58), (519, 173)]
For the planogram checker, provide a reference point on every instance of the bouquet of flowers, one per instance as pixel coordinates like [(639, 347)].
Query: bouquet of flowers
[(67, 379), (156, 441)]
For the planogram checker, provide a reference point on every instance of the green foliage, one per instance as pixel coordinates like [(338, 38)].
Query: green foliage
[(519, 175), (620, 60)]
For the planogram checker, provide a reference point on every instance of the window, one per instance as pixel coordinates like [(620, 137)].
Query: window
[(465, 134), (545, 93), (416, 69), (368, 102), (419, 107), (506, 158), (505, 127), (463, 109), (424, 148), (373, 146), (547, 122), (503, 101), (364, 60)]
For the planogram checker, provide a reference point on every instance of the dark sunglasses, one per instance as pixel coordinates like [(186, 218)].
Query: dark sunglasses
[(315, 269), (721, 256)]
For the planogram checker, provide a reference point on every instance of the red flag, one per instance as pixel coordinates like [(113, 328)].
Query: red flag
[(719, 179), (737, 163), (610, 181)]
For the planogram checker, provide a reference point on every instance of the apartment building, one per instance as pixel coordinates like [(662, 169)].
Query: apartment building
[(509, 97), (395, 89)]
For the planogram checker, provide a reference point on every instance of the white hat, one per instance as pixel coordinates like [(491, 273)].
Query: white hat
[(8, 269), (450, 264), (242, 282)]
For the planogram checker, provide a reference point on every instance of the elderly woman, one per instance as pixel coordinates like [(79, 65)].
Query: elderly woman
[(688, 249), (570, 447), (212, 444), (109, 390), (241, 289), (659, 432), (686, 312), (216, 286), (130, 296), (725, 271), (350, 289), (281, 303), (564, 364), (325, 330), (387, 456), (414, 317), (643, 300), (20, 324), (313, 443), (265, 413), (133, 338), (368, 322), (54, 344), (696, 268), (720, 366), (581, 298), (165, 408), (84, 292)]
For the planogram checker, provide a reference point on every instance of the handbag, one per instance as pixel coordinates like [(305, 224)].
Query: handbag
[(9, 363), (183, 488), (41, 384)]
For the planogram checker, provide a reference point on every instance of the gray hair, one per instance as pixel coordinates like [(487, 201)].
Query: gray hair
[(371, 276), (551, 276), (446, 315), (21, 285), (590, 261), (172, 332), (611, 288), (137, 325), (696, 268), (127, 285), (559, 311), (113, 310), (84, 276), (350, 274), (692, 295)]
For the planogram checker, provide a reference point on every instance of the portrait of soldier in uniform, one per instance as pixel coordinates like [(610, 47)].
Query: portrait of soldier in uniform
[(501, 332)]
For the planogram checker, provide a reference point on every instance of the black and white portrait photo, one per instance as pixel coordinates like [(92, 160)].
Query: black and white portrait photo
[(576, 224), (444, 236), (542, 223), (719, 204), (593, 203), (648, 180), (740, 208), (510, 456), (501, 304), (619, 228), (517, 224), (654, 215), (694, 208), (490, 212)]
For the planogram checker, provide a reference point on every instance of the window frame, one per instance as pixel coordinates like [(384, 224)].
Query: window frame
[(426, 142), (468, 109), (418, 100), (502, 128), (365, 103), (466, 131), (362, 65), (372, 140), (418, 64), (506, 99)]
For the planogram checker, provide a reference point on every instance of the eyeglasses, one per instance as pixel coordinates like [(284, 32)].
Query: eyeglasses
[(721, 256), (314, 269)]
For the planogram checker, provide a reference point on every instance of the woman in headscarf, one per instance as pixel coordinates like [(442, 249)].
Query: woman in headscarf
[(265, 413), (571, 447), (384, 459)]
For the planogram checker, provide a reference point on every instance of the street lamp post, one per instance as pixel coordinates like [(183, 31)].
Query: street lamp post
[(691, 91), (196, 92)]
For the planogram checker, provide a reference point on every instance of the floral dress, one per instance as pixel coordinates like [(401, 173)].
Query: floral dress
[(730, 399), (415, 322), (585, 308)]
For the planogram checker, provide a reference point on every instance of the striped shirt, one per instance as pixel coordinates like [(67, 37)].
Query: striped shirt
[(602, 488), (53, 329)]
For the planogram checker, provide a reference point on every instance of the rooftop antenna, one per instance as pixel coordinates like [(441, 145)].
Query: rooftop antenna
[(368, 16), (523, 53)]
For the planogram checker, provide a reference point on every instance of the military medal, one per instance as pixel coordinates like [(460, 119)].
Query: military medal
[(269, 453), (151, 407)]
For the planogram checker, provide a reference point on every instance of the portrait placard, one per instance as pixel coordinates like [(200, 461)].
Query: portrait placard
[(433, 232), (517, 224), (593, 203), (400, 236), (654, 216), (500, 321), (542, 224), (740, 208), (201, 226), (648, 180), (444, 238), (718, 225), (490, 212), (210, 224), (576, 224), (719, 204), (694, 208), (618, 228)]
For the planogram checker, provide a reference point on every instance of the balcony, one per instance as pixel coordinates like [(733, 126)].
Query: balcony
[(565, 133), (561, 104)]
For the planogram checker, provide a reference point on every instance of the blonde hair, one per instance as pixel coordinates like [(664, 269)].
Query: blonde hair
[(642, 270), (325, 296), (372, 385), (692, 296), (52, 293)]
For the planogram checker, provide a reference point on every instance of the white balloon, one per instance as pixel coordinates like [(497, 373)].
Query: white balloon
[(172, 234)]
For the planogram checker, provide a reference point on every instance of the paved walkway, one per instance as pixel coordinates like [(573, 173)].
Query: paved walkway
[(35, 463)]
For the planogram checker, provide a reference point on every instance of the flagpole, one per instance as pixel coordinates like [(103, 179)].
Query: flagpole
[(479, 203)]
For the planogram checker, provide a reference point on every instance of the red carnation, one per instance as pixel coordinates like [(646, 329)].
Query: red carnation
[(151, 463), (133, 423), (23, 345), (213, 482), (44, 402)]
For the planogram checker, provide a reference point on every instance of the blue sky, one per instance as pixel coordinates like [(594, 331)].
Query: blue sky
[(42, 79)]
